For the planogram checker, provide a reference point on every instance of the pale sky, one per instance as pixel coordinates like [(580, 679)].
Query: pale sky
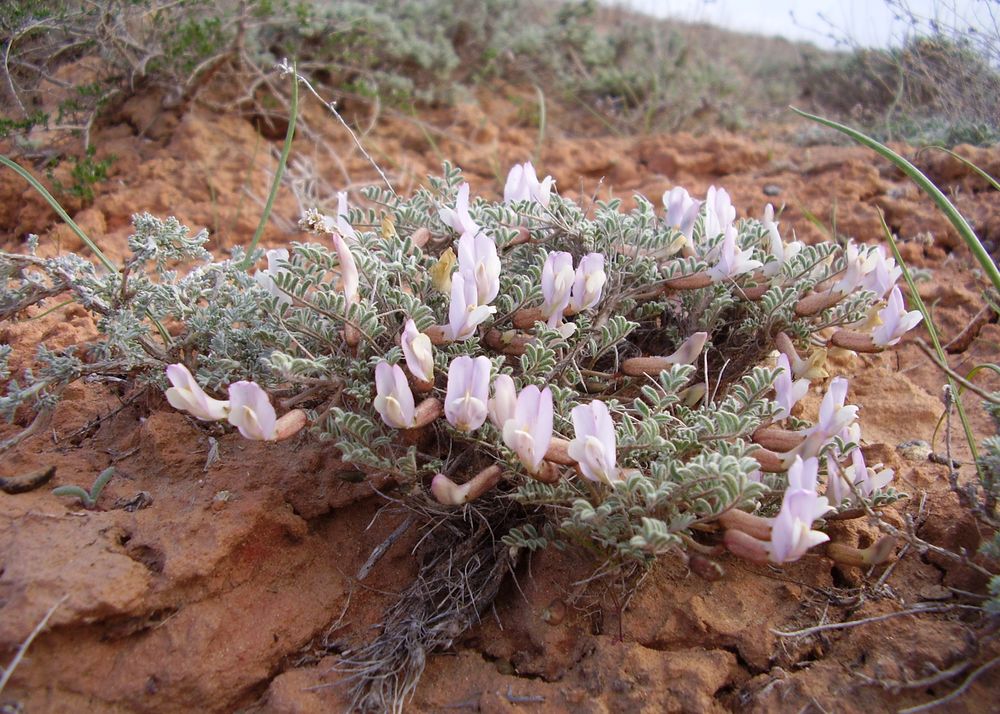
[(868, 24)]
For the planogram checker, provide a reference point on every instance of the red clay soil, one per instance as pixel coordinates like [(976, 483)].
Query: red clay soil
[(235, 587)]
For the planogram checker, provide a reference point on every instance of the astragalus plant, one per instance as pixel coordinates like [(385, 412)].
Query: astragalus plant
[(619, 381)]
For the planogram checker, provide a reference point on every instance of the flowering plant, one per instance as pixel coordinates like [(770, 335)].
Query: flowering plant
[(623, 381)]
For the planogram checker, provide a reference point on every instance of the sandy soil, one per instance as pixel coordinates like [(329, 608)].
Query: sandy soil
[(235, 588)]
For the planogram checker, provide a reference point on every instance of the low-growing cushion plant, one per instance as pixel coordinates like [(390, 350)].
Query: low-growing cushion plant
[(624, 382)]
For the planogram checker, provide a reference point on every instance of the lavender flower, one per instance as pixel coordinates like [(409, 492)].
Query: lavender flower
[(682, 210), (896, 321), (833, 415), (186, 395), (458, 218), (529, 431), (465, 313), (393, 398), (522, 185), (418, 351), (251, 412), (791, 531), (594, 446), (786, 392), (468, 388), (477, 256), (588, 283), (732, 261), (882, 275)]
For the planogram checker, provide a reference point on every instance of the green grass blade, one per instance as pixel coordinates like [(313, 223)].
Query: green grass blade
[(935, 340), (928, 187), (958, 157), (43, 192), (278, 174)]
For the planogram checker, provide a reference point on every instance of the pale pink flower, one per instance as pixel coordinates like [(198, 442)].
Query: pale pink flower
[(465, 313), (557, 285), (682, 210), (477, 256), (393, 398), (504, 402), (896, 321), (251, 412), (588, 283), (468, 391), (529, 431), (689, 350), (186, 395), (458, 218), (348, 268), (594, 447), (418, 351), (522, 185)]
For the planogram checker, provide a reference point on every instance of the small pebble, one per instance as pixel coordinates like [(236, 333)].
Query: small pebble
[(220, 500), (915, 450), (772, 190)]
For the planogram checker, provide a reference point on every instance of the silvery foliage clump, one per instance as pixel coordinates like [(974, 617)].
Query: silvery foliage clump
[(684, 435)]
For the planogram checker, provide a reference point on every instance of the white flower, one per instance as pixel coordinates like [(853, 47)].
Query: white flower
[(188, 396), (522, 185), (896, 321), (504, 402), (265, 278), (458, 218), (343, 224), (782, 252), (465, 313), (719, 213), (251, 412), (477, 256), (557, 285)]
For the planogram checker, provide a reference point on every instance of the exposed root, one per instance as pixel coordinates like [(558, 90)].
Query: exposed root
[(465, 567)]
